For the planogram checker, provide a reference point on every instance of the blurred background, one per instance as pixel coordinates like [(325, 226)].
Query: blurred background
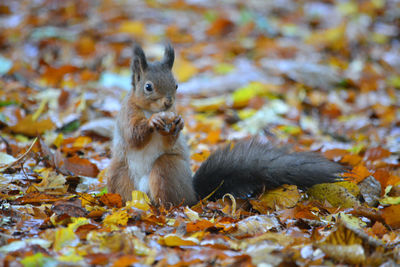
[(322, 69)]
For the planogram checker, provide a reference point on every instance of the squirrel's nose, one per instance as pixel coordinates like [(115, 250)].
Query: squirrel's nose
[(168, 102)]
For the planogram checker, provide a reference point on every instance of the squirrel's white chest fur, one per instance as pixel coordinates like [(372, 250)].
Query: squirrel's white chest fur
[(140, 161)]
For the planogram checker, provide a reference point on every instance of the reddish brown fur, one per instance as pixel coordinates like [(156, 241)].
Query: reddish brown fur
[(168, 181), (118, 180)]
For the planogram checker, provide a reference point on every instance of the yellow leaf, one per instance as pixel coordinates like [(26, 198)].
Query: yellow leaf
[(243, 95), (77, 222), (117, 218), (224, 68), (173, 240), (27, 126), (71, 257), (209, 104), (139, 200), (282, 197), (335, 194), (191, 214), (64, 237), (132, 27), (184, 70), (87, 199), (39, 111), (59, 140), (246, 113), (82, 141), (352, 188)]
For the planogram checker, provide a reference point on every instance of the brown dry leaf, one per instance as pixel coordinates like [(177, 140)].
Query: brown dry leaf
[(333, 154), (199, 225), (283, 197), (111, 200), (83, 230), (72, 208), (29, 127), (81, 166), (379, 229), (221, 26), (391, 215), (36, 198), (377, 153), (86, 46), (54, 76), (300, 211)]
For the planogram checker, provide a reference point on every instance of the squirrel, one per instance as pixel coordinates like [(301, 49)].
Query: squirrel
[(150, 154)]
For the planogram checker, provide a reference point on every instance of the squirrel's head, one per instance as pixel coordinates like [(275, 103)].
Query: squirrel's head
[(154, 86)]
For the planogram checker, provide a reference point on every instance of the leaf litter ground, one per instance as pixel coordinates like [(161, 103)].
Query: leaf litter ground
[(320, 76)]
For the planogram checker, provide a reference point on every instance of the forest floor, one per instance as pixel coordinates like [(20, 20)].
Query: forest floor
[(314, 76)]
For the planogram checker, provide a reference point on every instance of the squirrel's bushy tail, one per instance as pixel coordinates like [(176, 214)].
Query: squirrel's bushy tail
[(250, 166)]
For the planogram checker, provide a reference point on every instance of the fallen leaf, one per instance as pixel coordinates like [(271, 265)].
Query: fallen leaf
[(111, 200), (391, 216), (335, 194), (81, 166), (139, 200), (117, 218), (283, 197), (173, 240)]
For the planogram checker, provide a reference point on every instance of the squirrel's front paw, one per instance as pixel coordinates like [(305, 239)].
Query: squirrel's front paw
[(177, 125), (162, 122)]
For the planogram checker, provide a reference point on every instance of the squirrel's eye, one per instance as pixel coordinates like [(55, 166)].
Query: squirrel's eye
[(148, 87), (176, 86)]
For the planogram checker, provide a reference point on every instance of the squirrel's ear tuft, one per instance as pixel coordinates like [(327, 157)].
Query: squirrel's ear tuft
[(139, 63), (169, 56)]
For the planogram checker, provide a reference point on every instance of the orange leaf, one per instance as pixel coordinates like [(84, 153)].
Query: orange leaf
[(359, 173), (111, 200), (353, 160), (29, 127), (379, 229), (221, 26), (377, 153), (201, 156), (125, 261), (198, 226), (53, 76), (81, 166), (214, 136), (391, 216), (36, 198), (335, 153), (85, 46), (383, 177)]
